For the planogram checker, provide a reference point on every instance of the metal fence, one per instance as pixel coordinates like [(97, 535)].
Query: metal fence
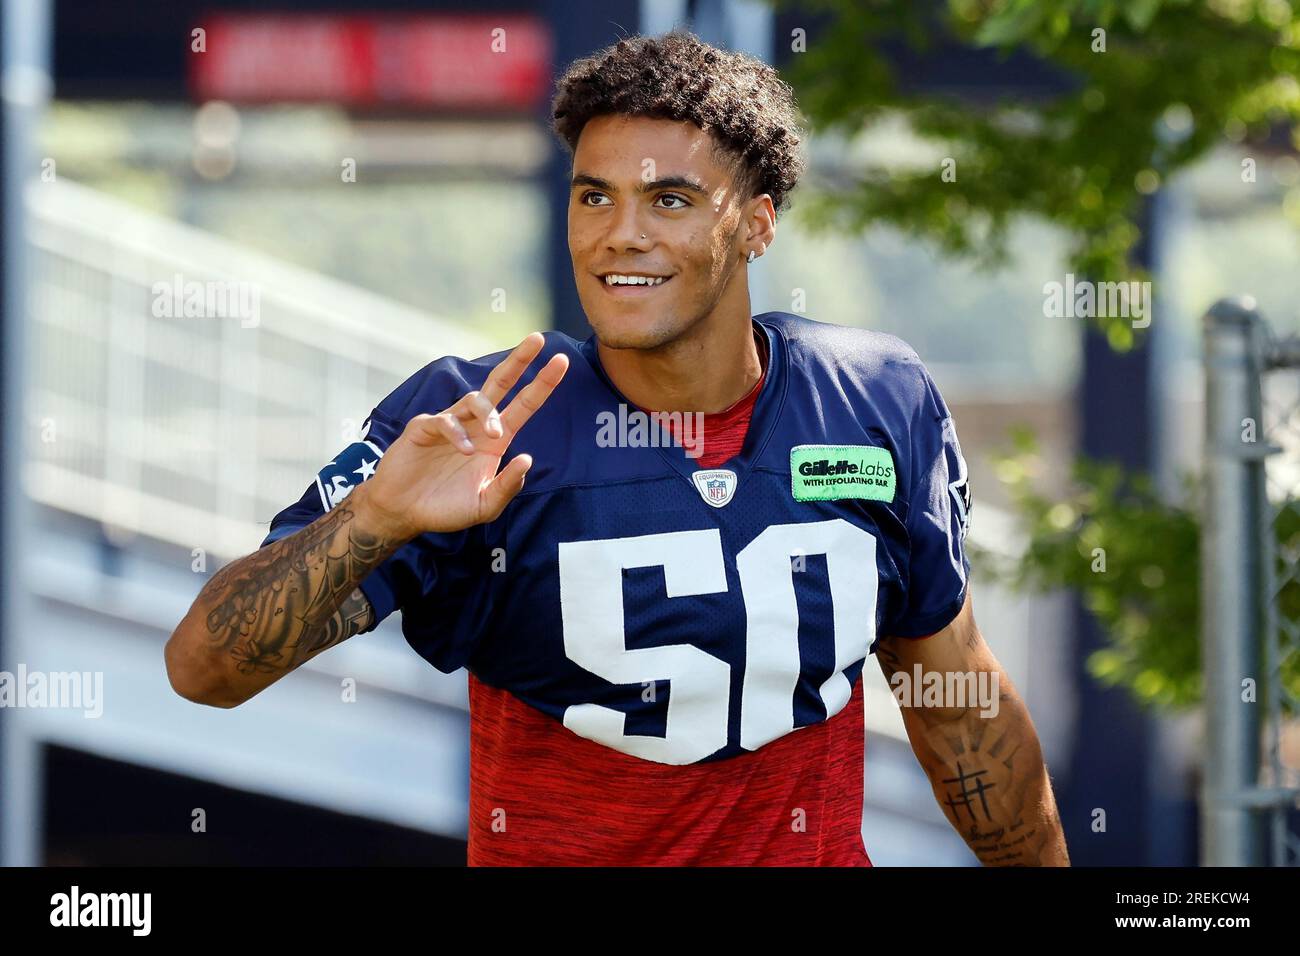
[(1250, 590)]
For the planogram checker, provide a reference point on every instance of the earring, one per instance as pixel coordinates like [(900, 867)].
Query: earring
[(643, 235), (751, 256)]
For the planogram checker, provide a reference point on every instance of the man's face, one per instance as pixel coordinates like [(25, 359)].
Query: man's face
[(635, 176)]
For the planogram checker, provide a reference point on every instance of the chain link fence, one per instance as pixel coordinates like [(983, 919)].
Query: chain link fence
[(1250, 591)]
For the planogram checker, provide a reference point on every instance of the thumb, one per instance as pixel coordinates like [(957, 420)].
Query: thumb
[(502, 489)]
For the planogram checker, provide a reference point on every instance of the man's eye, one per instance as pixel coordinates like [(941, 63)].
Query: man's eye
[(588, 195), (673, 197)]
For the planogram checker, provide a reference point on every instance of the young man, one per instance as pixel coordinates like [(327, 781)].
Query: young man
[(665, 630)]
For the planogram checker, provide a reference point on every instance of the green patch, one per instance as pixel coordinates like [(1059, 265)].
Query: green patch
[(832, 472)]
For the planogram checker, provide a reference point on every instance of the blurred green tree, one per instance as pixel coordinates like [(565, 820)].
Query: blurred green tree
[(1151, 86)]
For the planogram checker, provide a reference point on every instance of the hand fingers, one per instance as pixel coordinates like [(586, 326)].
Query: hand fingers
[(427, 430), (502, 489), (476, 405), (503, 377), (532, 395)]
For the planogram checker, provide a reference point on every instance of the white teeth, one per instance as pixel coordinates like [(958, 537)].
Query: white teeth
[(616, 279)]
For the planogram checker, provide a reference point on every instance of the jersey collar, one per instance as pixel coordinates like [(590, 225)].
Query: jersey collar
[(762, 422)]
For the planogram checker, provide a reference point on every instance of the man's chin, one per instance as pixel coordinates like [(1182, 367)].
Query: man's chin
[(622, 333)]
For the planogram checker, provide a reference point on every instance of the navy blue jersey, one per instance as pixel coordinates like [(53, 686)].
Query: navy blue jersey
[(673, 615)]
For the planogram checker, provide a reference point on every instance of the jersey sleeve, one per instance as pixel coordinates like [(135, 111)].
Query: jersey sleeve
[(938, 517), (432, 578)]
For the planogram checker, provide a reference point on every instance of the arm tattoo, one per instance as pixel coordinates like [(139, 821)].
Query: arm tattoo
[(987, 773), (297, 596), (989, 777)]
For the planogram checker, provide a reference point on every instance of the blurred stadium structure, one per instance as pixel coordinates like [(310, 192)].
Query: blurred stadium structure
[(170, 446), (190, 430), (1250, 588)]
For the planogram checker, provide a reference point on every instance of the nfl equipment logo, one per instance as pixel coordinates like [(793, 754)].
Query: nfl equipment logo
[(717, 486)]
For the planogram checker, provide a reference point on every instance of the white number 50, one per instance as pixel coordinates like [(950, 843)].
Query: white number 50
[(591, 602)]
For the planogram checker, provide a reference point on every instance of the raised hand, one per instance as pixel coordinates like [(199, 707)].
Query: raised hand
[(441, 474)]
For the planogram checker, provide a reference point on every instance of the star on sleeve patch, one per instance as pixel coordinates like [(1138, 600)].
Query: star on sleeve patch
[(354, 465)]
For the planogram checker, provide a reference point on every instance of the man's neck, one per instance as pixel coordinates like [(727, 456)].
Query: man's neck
[(707, 371)]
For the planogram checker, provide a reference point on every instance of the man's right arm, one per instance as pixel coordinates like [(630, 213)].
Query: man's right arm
[(263, 615)]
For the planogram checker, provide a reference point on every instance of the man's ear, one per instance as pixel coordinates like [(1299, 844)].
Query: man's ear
[(759, 226)]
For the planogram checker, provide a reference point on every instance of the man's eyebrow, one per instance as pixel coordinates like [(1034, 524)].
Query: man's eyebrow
[(666, 182)]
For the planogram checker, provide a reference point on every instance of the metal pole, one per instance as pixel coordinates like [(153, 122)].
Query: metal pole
[(24, 90), (1231, 569)]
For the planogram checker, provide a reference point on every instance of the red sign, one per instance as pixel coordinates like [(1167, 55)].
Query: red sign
[(431, 61)]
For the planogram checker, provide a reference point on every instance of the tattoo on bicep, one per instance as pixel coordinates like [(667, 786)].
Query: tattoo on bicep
[(309, 578)]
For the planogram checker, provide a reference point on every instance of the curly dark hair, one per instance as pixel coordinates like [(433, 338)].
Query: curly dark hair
[(742, 101)]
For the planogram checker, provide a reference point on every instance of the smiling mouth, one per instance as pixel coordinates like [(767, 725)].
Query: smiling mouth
[(625, 282)]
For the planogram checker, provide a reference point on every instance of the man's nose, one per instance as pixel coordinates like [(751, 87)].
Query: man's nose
[(628, 229)]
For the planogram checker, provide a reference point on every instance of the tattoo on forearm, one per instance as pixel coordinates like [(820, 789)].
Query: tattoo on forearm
[(969, 785), (987, 772), (992, 785), (308, 580)]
